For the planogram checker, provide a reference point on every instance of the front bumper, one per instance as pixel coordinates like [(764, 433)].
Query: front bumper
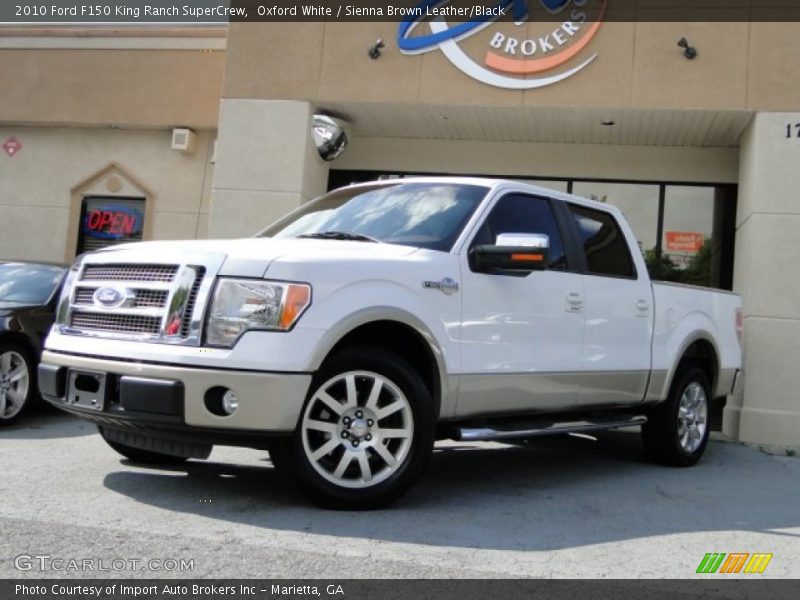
[(169, 401)]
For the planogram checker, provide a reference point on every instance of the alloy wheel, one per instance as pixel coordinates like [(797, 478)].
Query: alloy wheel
[(692, 417), (14, 383), (357, 429)]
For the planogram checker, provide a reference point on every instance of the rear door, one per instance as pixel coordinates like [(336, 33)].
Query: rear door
[(618, 312)]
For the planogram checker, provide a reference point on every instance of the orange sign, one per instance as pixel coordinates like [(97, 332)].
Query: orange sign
[(685, 241)]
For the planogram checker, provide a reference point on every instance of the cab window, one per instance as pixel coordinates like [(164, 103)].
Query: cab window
[(603, 243)]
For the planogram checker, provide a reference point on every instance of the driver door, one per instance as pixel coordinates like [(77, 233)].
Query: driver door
[(521, 335)]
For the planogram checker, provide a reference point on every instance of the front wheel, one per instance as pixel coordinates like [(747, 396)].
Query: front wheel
[(366, 433), (677, 431)]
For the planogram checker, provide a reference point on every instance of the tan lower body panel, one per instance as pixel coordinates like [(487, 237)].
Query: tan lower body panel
[(267, 401), (481, 394), (612, 387)]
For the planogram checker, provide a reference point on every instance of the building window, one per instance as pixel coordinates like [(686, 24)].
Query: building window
[(109, 220), (688, 244)]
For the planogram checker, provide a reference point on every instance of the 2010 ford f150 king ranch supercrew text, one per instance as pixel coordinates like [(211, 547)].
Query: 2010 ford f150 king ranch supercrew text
[(350, 335)]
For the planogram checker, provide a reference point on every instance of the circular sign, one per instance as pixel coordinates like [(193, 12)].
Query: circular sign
[(511, 61)]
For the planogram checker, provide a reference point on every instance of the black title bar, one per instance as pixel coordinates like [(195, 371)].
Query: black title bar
[(710, 588), (211, 12)]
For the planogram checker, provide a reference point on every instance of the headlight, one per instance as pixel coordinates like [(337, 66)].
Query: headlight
[(243, 304)]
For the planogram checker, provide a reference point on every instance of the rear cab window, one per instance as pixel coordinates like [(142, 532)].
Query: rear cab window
[(604, 244)]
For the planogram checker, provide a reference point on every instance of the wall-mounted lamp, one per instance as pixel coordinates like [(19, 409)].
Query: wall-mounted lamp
[(689, 52), (375, 50)]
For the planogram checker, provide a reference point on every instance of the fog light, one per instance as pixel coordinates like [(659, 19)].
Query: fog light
[(221, 401), (230, 402)]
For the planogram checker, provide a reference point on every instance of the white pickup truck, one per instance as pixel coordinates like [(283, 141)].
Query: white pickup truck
[(352, 334)]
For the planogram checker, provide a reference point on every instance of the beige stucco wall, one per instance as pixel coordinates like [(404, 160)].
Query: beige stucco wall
[(638, 65), (767, 413), (35, 184), (142, 88), (266, 165), (644, 163)]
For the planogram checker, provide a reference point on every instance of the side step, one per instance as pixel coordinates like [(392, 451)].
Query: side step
[(541, 428)]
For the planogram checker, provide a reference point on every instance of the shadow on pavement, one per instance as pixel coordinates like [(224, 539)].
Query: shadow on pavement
[(43, 422), (549, 494)]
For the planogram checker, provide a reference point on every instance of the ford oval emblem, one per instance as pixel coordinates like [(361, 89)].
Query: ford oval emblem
[(108, 297)]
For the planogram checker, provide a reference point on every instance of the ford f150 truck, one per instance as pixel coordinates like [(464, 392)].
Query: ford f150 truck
[(352, 334)]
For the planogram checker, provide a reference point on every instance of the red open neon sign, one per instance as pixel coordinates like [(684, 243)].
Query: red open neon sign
[(112, 222)]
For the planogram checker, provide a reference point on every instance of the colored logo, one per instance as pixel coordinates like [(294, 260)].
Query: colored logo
[(516, 55), (112, 222), (108, 297), (12, 145), (737, 562)]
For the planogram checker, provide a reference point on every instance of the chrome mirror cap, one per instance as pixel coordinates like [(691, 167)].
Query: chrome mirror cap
[(526, 240)]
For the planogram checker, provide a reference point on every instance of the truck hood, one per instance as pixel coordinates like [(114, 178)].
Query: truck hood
[(251, 255)]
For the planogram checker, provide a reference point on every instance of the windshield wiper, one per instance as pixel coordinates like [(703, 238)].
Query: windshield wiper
[(340, 235)]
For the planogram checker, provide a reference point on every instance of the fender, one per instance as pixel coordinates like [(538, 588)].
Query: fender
[(408, 309), (693, 327)]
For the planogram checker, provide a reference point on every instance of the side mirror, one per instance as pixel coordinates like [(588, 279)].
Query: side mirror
[(512, 254)]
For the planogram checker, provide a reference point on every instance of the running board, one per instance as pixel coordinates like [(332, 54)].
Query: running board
[(474, 434)]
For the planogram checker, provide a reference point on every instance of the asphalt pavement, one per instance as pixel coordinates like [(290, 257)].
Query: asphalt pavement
[(559, 507)]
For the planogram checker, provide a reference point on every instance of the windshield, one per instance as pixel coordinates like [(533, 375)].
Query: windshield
[(424, 215), (28, 284)]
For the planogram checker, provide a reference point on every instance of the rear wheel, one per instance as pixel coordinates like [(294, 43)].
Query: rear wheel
[(366, 433), (677, 431), (145, 457), (17, 384)]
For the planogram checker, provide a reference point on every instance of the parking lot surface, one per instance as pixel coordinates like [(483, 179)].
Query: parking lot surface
[(561, 507)]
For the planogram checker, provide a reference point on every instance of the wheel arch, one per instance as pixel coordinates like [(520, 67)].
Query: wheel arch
[(698, 349), (15, 337), (397, 331)]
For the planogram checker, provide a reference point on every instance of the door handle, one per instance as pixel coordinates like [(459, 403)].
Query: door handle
[(574, 302), (642, 307)]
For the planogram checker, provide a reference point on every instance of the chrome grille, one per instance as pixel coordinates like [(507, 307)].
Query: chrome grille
[(191, 302), (156, 298), (154, 302), (136, 324), (129, 272), (84, 296)]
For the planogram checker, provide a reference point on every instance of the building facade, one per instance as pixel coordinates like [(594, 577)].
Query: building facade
[(702, 154)]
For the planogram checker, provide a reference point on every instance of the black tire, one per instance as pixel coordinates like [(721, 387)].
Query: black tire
[(661, 433), (145, 457), (291, 457), (20, 353)]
